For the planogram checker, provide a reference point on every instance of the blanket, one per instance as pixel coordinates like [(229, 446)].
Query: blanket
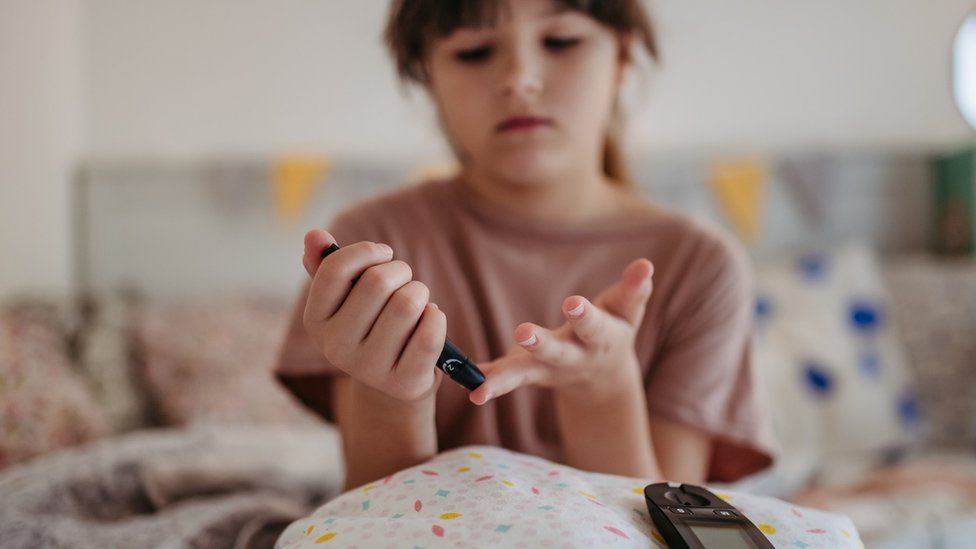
[(206, 486)]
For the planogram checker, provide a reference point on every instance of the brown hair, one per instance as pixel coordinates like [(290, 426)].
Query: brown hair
[(412, 24)]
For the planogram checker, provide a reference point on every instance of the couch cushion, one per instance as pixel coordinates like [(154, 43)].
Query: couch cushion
[(44, 404), (935, 308), (210, 360)]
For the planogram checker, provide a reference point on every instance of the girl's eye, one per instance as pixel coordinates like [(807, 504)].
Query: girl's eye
[(561, 43), (474, 55)]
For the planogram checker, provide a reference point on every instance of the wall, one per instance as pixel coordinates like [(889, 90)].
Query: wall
[(186, 77), (41, 136), (183, 78)]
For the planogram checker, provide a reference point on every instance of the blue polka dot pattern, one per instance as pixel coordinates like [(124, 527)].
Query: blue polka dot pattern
[(869, 364), (865, 317), (764, 307), (818, 379), (813, 267), (908, 409)]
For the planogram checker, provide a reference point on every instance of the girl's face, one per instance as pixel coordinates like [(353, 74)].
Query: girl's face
[(555, 69)]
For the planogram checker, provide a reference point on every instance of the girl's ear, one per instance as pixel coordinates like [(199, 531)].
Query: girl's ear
[(625, 43), (425, 72)]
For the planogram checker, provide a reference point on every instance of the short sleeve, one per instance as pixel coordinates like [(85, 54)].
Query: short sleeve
[(703, 373), (300, 366)]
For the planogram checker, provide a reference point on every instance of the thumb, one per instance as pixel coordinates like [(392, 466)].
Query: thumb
[(628, 297), (316, 241)]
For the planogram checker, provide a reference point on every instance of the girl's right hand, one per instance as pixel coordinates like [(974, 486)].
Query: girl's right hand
[(381, 331)]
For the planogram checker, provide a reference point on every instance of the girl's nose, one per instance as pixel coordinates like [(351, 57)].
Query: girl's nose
[(521, 75)]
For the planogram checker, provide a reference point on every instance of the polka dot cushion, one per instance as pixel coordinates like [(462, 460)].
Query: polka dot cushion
[(484, 496), (841, 389)]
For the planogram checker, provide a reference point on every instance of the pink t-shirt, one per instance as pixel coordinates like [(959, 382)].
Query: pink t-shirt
[(490, 269)]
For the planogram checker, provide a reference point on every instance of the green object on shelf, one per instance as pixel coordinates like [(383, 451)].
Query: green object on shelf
[(955, 201)]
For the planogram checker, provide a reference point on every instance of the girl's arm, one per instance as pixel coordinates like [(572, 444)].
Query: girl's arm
[(385, 389), (607, 431), (611, 433), (683, 452), (380, 434)]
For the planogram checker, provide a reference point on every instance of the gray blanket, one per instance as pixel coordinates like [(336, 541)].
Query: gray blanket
[(213, 486)]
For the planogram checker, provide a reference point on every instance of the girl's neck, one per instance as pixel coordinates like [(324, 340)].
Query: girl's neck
[(573, 200)]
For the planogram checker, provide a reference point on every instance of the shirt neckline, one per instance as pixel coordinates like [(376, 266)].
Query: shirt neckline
[(504, 218)]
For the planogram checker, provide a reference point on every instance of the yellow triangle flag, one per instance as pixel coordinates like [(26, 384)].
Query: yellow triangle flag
[(294, 178), (738, 186)]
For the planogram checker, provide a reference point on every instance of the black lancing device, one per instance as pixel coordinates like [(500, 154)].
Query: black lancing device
[(451, 361)]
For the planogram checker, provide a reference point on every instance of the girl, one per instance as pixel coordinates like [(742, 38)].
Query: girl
[(538, 256)]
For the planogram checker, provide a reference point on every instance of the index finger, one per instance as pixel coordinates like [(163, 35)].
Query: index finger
[(506, 374), (332, 284)]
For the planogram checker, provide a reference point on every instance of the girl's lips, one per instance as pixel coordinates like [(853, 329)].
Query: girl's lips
[(523, 123)]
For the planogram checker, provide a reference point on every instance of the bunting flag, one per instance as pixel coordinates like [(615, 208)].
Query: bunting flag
[(294, 179), (432, 170), (811, 184), (738, 186)]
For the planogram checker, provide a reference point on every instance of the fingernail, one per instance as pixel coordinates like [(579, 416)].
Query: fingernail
[(388, 249), (575, 313), (530, 341), (488, 397)]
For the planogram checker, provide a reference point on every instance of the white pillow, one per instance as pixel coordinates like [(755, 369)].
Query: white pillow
[(485, 496), (840, 387)]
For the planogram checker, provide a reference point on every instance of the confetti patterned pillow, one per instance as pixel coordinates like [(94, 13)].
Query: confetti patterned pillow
[(485, 496), (44, 404), (841, 390), (210, 360)]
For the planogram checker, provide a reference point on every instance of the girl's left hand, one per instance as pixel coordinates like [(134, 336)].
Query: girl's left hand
[(592, 351)]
